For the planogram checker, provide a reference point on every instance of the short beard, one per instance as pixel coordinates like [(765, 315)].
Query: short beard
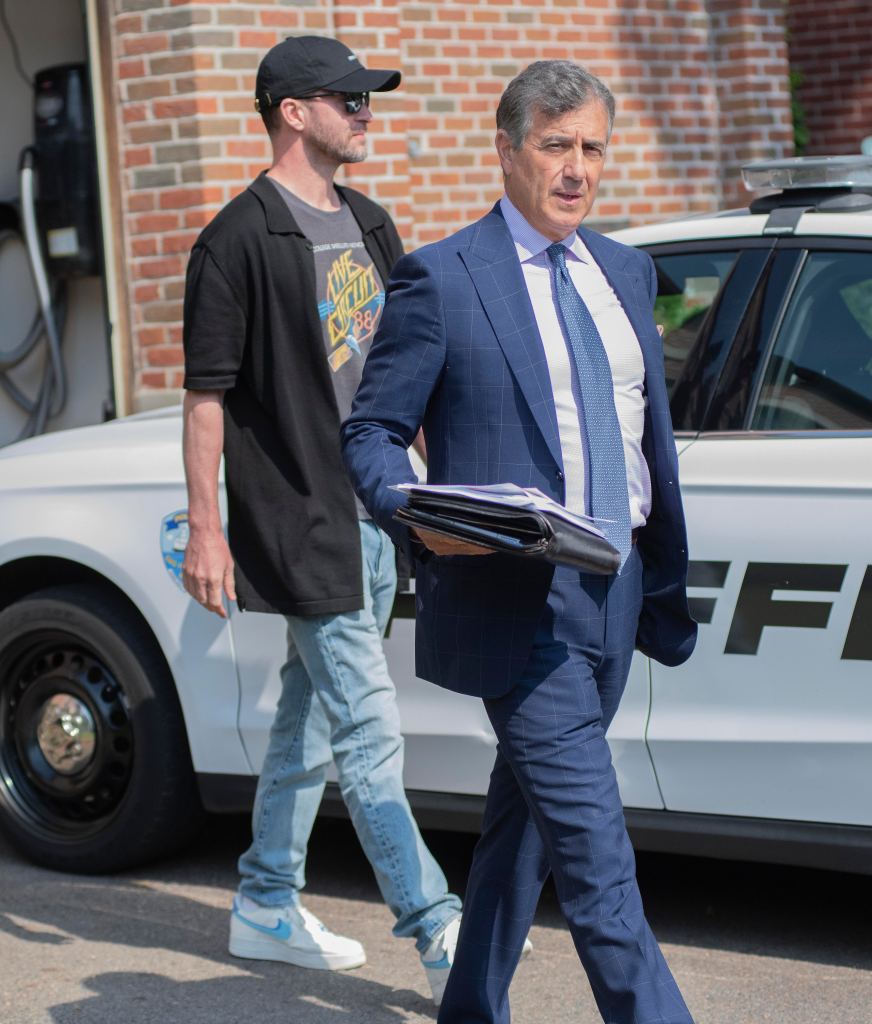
[(334, 151), (356, 157)]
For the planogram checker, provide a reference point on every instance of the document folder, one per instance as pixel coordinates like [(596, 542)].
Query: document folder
[(514, 520)]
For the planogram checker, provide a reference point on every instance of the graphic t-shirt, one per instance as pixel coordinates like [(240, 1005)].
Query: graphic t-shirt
[(350, 293)]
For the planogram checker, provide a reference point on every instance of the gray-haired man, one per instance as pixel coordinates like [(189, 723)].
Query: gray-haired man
[(528, 350)]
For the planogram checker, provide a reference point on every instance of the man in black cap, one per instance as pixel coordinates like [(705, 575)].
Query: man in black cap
[(284, 291)]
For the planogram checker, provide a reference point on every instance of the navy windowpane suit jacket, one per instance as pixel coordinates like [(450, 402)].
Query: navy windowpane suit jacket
[(458, 351)]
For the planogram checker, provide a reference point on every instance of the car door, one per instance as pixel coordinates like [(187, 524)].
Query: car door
[(701, 285), (772, 716)]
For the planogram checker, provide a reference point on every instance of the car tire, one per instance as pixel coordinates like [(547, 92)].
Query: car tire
[(95, 769)]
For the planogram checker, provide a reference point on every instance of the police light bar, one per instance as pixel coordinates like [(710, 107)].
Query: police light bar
[(809, 172)]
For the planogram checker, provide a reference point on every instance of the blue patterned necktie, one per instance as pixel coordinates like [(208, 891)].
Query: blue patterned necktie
[(607, 471)]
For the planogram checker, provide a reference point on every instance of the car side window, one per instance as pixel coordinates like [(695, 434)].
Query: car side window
[(687, 286), (819, 372)]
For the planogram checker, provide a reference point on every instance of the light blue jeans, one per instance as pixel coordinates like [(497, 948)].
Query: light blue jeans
[(339, 703)]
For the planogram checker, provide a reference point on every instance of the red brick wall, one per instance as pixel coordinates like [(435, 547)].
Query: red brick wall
[(700, 85), (831, 47), (749, 49), (458, 57)]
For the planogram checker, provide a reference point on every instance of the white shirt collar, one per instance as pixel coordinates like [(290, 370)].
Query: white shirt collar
[(529, 243)]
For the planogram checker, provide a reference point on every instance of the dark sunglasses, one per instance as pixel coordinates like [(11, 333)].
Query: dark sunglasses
[(353, 100)]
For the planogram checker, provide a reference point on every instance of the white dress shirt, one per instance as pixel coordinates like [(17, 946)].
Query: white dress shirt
[(622, 349)]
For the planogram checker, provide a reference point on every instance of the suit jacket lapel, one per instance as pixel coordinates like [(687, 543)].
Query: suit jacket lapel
[(493, 265)]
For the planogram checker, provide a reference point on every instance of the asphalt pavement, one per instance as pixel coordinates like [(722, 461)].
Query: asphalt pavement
[(749, 944)]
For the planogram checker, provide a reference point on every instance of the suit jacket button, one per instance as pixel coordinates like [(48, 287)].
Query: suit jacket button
[(560, 474)]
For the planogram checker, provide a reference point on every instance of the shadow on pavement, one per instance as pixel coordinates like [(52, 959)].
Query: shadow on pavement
[(134, 910), (8, 926), (793, 913), (763, 909), (143, 998)]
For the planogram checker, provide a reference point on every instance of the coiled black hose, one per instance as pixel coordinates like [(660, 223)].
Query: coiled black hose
[(48, 321)]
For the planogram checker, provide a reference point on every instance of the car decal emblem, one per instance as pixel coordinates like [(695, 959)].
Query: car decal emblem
[(173, 540)]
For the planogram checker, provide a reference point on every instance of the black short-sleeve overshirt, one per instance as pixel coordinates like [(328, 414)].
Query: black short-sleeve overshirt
[(251, 329)]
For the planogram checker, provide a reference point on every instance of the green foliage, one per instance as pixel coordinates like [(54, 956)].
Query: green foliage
[(673, 310), (801, 134), (858, 299)]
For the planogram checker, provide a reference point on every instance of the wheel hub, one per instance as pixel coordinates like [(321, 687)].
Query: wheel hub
[(66, 739), (65, 733)]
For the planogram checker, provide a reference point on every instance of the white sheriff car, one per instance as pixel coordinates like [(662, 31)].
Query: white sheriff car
[(125, 707)]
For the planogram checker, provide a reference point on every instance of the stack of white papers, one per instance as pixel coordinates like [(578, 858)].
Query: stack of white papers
[(510, 495)]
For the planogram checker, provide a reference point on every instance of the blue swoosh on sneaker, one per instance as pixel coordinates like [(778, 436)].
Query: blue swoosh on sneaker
[(437, 965), (281, 931)]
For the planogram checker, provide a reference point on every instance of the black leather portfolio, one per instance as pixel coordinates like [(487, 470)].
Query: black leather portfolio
[(527, 532)]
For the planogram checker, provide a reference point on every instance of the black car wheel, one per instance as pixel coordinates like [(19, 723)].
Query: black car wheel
[(95, 772)]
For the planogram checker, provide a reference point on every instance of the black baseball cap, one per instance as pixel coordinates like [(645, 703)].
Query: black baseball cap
[(305, 64)]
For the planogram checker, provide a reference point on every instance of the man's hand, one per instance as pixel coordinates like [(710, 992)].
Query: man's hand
[(441, 545), (207, 572)]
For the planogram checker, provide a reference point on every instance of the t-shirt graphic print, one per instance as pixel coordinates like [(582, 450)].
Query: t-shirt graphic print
[(350, 292), (352, 305)]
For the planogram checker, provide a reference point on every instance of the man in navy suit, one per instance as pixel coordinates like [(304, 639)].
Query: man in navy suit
[(527, 349)]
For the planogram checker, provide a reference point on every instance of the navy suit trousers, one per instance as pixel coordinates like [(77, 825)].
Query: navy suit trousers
[(553, 805)]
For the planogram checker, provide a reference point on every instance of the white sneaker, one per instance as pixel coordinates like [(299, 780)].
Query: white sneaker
[(438, 957), (291, 935)]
